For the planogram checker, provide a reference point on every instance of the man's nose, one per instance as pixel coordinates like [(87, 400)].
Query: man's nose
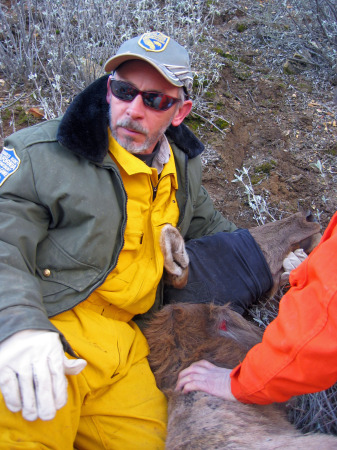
[(136, 107)]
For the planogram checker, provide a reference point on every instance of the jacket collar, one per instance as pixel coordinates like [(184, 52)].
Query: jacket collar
[(84, 126)]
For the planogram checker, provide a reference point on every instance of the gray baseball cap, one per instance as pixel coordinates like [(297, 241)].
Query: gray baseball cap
[(162, 52)]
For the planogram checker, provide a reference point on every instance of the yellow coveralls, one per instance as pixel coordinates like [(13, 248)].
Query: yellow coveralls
[(114, 402)]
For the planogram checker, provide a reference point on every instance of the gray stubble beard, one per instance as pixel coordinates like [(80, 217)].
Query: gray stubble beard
[(128, 142)]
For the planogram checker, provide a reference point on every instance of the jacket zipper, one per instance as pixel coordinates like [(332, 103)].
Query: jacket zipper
[(154, 189)]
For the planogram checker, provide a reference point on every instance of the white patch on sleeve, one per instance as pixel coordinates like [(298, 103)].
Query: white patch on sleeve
[(9, 163)]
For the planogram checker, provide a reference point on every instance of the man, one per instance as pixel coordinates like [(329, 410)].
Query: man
[(299, 348), (83, 200)]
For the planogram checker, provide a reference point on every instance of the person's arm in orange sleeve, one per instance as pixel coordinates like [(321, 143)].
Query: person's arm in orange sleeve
[(299, 348), (298, 352)]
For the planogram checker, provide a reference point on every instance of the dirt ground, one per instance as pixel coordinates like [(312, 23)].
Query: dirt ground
[(282, 129), (280, 138)]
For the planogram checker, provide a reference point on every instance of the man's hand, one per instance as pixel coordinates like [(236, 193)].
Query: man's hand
[(32, 373), (205, 376), (291, 261)]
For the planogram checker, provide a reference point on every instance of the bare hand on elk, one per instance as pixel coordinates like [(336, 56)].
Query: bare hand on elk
[(205, 376)]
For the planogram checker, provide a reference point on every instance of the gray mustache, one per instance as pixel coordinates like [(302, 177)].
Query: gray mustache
[(131, 125)]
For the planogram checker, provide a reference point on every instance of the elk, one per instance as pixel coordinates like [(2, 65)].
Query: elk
[(184, 261), (181, 334)]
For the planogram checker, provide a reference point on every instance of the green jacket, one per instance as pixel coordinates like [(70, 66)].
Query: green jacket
[(63, 212)]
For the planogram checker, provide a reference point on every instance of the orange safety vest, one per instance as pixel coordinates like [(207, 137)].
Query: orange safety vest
[(298, 353)]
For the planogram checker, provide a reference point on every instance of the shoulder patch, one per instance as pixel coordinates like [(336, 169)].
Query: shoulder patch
[(9, 163), (154, 41)]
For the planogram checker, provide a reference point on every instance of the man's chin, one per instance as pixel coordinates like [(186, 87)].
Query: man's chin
[(135, 151), (130, 145)]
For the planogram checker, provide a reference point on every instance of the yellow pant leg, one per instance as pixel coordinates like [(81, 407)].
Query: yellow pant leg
[(123, 408), (17, 433), (112, 404), (135, 418)]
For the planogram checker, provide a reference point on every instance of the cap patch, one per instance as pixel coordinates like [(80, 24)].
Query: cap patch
[(154, 41), (9, 163)]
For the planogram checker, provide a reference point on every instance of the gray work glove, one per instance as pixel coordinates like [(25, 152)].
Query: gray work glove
[(32, 373), (176, 259), (291, 261)]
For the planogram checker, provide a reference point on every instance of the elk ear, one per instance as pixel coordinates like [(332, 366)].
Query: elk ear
[(277, 239)]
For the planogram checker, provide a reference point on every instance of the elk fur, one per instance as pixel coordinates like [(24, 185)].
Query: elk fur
[(181, 334), (277, 239)]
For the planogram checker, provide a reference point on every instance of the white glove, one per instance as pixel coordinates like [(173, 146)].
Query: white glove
[(176, 259), (32, 373), (291, 261)]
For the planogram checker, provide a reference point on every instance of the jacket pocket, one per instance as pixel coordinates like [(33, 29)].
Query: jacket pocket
[(58, 270)]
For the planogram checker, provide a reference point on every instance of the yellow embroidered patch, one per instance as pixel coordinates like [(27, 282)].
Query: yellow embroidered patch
[(153, 41)]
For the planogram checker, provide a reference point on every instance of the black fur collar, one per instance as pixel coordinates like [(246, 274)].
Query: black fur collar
[(84, 126)]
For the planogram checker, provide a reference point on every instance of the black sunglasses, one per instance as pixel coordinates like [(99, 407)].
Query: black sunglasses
[(155, 100)]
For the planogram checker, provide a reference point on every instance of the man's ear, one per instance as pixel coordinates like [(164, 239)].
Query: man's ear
[(182, 112), (108, 92)]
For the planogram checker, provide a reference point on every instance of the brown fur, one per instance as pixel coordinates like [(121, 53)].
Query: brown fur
[(184, 333)]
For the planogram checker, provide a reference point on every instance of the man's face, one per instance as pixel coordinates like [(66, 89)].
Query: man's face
[(136, 127)]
